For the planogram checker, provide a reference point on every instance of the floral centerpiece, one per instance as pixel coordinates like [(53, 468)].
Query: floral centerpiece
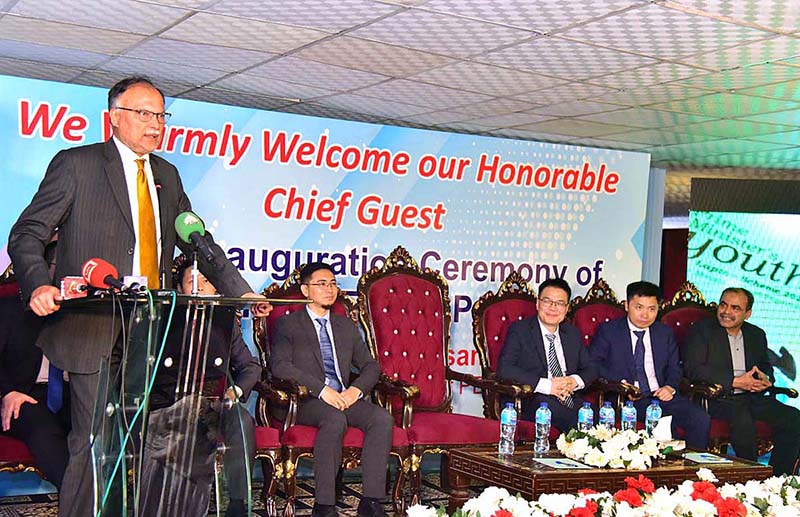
[(774, 497), (603, 447)]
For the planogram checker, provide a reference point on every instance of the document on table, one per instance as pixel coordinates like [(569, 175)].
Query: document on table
[(705, 457), (561, 463)]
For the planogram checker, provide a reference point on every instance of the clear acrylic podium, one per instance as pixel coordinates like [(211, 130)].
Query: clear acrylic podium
[(168, 434)]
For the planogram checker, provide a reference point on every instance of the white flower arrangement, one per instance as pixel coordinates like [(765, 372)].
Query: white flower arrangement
[(612, 448), (774, 497)]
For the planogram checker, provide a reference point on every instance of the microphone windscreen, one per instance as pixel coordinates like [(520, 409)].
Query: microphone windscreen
[(95, 272), (188, 223)]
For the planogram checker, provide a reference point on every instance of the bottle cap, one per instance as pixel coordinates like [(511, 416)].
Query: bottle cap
[(543, 405), (587, 404), (510, 405), (607, 404)]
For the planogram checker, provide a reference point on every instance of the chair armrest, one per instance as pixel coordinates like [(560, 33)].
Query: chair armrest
[(779, 390), (267, 395), (395, 387), (700, 389), (468, 378), (626, 390), (290, 387)]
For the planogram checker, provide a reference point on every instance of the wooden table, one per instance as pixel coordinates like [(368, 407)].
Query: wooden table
[(521, 474)]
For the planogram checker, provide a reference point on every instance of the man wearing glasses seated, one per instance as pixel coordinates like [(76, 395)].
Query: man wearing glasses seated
[(318, 349), (546, 353)]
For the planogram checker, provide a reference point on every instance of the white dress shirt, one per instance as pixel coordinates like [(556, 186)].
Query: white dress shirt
[(545, 384), (649, 364)]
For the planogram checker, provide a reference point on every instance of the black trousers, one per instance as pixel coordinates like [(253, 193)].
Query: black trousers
[(375, 422), (686, 414), (742, 411), (45, 433), (563, 418)]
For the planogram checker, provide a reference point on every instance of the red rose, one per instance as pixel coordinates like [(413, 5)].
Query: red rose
[(730, 507), (705, 491), (641, 483), (583, 511), (630, 496), (586, 491), (502, 513)]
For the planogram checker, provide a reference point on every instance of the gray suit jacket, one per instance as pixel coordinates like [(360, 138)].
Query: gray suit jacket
[(296, 354), (84, 197)]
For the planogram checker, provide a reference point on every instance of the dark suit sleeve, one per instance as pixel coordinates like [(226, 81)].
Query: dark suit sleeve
[(286, 336), (673, 370), (245, 369), (48, 209), (368, 369), (762, 357), (509, 363), (587, 367), (698, 361), (599, 349)]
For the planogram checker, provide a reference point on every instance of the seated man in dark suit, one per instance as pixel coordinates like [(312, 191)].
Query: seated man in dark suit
[(318, 349), (191, 480), (733, 353), (546, 353), (642, 351), (24, 374)]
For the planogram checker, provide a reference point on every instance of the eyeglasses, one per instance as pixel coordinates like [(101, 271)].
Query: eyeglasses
[(547, 302), (147, 115), (323, 284)]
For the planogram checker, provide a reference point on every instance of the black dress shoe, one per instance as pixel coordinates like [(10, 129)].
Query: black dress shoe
[(369, 507), (236, 508), (324, 510)]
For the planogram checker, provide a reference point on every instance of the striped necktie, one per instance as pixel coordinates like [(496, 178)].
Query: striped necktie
[(148, 249), (555, 367), (328, 360)]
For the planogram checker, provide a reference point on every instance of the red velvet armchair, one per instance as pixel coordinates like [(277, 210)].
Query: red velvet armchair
[(492, 314), (406, 314), (588, 312), (686, 308), (298, 440)]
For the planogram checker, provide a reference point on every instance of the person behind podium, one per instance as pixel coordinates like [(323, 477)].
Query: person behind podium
[(731, 352), (318, 349), (117, 201), (546, 353), (642, 351), (185, 478)]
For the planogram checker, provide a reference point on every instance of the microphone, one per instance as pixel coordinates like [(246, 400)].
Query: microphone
[(192, 231), (102, 275)]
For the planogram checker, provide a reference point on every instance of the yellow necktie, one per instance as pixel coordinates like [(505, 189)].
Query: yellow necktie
[(148, 250)]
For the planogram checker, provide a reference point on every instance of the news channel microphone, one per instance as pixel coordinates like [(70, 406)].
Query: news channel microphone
[(191, 230), (102, 275)]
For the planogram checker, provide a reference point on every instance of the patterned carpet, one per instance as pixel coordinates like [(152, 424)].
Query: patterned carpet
[(46, 505)]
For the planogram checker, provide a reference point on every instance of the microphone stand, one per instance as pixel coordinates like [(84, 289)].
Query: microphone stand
[(195, 272)]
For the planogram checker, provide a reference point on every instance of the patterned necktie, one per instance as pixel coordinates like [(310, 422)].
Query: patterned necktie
[(638, 363), (148, 249), (555, 367), (55, 389), (328, 361)]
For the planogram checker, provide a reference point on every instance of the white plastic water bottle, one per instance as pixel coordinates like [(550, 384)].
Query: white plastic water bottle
[(607, 415), (628, 417), (543, 419), (508, 429), (652, 416), (585, 417)]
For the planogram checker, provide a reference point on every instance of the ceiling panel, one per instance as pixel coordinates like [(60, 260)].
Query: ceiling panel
[(62, 35), (47, 54), (197, 54), (313, 73), (663, 33), (437, 97), (316, 14), (441, 34), (492, 80)]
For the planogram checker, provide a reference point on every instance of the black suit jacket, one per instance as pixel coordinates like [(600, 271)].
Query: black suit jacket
[(20, 358), (296, 354), (523, 358), (707, 353), (84, 196), (612, 351)]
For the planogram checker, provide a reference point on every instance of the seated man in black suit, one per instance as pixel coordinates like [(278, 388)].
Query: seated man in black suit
[(24, 372), (318, 349), (546, 353), (642, 351), (193, 478), (733, 353)]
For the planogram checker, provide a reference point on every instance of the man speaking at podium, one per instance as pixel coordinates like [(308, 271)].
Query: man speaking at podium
[(117, 201)]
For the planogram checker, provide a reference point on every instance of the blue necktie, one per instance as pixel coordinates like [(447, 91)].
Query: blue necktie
[(55, 388), (328, 361), (638, 363)]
